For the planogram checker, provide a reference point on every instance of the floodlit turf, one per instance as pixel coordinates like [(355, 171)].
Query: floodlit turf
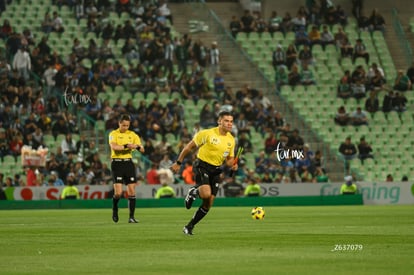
[(291, 240)]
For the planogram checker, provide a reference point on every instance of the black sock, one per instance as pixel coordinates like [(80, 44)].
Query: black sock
[(115, 201), (131, 205), (198, 216)]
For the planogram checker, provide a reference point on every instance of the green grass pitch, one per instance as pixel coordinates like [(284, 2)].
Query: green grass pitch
[(290, 240)]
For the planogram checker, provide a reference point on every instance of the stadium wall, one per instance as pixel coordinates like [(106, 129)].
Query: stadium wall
[(373, 192), (178, 202)]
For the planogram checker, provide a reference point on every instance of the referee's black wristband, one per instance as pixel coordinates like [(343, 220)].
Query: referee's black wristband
[(178, 162), (125, 146)]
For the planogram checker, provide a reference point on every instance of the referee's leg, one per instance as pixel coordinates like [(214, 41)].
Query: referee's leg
[(118, 180), (131, 202)]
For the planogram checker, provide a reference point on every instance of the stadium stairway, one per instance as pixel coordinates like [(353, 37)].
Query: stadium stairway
[(196, 12), (390, 35)]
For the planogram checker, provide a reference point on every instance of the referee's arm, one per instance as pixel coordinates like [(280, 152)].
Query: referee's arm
[(117, 147)]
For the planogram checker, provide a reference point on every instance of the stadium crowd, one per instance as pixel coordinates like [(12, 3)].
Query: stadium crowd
[(154, 61)]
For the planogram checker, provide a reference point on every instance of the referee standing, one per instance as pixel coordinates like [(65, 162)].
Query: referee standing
[(122, 142)]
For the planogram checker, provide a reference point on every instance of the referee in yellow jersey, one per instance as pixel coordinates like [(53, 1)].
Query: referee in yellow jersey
[(215, 147), (122, 142)]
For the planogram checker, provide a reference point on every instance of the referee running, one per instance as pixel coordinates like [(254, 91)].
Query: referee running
[(215, 147), (122, 142)]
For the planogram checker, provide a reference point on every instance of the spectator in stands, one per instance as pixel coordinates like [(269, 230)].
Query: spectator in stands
[(47, 23), (247, 21), (348, 149), (181, 55), (82, 145), (215, 58), (410, 73), (57, 23), (68, 144), (399, 102), (326, 37), (281, 77), (54, 177), (6, 30), (266, 178), (243, 125), (342, 17), (294, 76), (207, 116), (306, 75), (359, 117), (360, 50), (122, 6), (188, 174), (320, 176), (59, 127), (295, 141), (389, 178), (358, 82), (363, 22), (30, 141), (38, 137), (301, 37), (165, 175), (306, 56), (16, 143), (199, 54), (166, 162), (376, 21), (357, 7), (4, 147), (372, 103), (291, 55), (364, 150), (245, 142), (275, 23), (152, 175), (299, 22), (287, 24), (260, 25), (377, 81), (387, 103), (373, 69), (344, 87), (315, 36), (278, 57), (228, 97), (402, 82), (346, 48), (270, 143), (22, 63), (219, 85)]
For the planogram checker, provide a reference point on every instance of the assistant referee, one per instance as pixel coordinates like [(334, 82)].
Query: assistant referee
[(122, 142)]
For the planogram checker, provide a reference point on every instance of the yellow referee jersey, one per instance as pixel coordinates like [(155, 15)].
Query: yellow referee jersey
[(128, 137), (213, 147)]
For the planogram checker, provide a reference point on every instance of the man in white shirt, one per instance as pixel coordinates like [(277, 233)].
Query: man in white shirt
[(214, 59), (22, 63)]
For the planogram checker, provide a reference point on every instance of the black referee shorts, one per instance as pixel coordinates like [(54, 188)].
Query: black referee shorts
[(123, 171), (207, 174)]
